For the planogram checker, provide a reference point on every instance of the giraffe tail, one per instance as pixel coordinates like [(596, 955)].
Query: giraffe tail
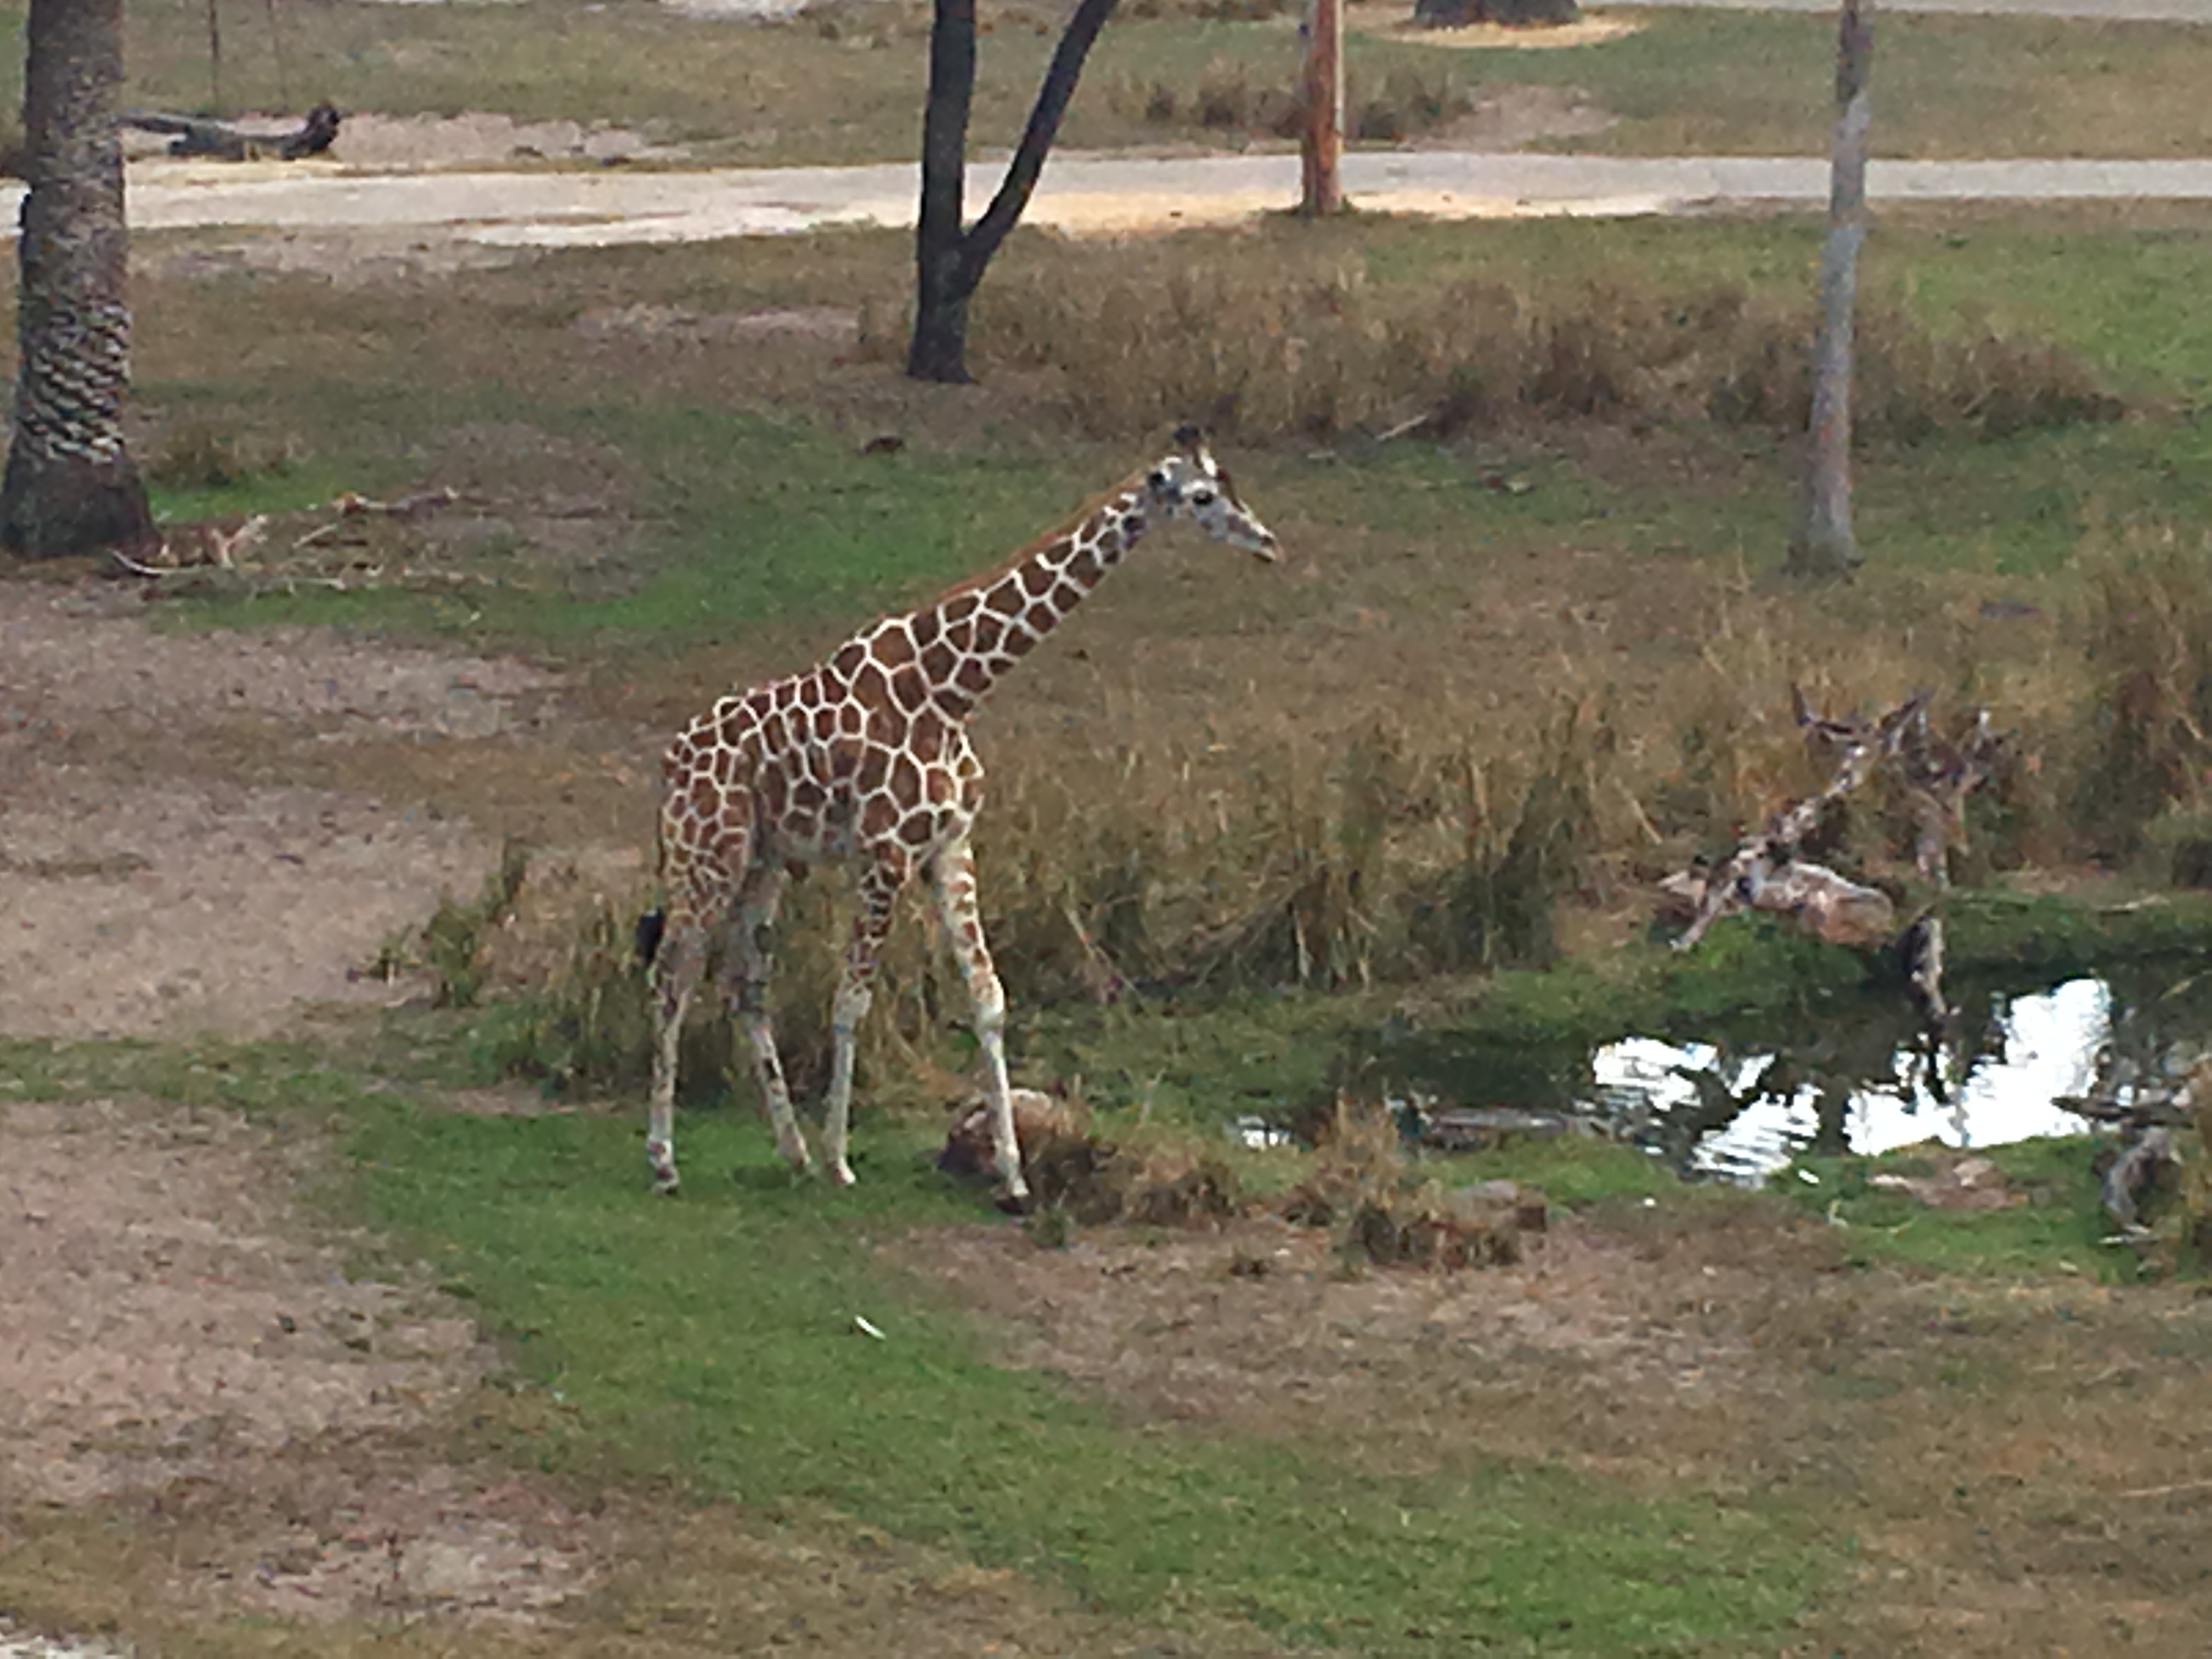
[(650, 926)]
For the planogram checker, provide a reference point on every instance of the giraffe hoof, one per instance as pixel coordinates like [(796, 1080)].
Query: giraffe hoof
[(666, 1185), (840, 1174), (1014, 1203)]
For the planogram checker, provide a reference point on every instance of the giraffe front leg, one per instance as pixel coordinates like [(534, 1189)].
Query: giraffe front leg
[(748, 965), (954, 875), (677, 963), (880, 889)]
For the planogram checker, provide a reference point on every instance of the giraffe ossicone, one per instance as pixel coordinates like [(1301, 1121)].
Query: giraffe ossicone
[(865, 757)]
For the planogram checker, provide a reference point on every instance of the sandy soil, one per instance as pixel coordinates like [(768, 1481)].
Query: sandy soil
[(169, 1324), (169, 1327), (150, 894)]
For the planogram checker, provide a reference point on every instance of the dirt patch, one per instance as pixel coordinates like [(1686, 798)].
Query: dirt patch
[(1630, 1357), (170, 1331), (680, 326), (86, 657), (367, 256), (1393, 22), (147, 894), (190, 906), (161, 1318)]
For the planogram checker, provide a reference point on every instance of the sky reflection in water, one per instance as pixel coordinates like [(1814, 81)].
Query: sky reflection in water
[(2050, 1048)]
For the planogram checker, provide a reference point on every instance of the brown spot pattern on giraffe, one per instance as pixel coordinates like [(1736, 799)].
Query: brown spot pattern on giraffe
[(894, 646)]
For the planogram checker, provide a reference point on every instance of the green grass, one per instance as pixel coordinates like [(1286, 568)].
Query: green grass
[(2057, 1225), (255, 1078), (1573, 1170), (757, 509), (1944, 87), (712, 1342)]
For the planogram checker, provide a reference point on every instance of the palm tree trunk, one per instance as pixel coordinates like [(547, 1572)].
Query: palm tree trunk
[(70, 485)]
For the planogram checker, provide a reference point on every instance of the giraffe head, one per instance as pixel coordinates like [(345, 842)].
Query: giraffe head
[(1190, 483)]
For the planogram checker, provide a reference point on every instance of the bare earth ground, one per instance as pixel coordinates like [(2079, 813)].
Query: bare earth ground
[(149, 895)]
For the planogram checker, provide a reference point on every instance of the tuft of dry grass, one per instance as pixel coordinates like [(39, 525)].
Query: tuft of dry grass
[(1382, 1212), (455, 939), (1234, 94), (2147, 750), (200, 455), (1310, 346)]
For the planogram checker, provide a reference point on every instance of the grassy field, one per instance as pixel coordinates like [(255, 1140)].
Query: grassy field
[(844, 84), (1389, 811)]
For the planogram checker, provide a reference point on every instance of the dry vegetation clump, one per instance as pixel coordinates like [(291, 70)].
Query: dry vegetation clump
[(202, 455), (453, 945), (1303, 347), (1080, 1178), (2147, 754), (1394, 851), (1233, 95), (1363, 1188), (2196, 1209)]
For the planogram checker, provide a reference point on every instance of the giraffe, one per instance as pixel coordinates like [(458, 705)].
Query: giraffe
[(865, 757)]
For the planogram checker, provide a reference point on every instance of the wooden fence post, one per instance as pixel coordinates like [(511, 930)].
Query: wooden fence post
[(1321, 147)]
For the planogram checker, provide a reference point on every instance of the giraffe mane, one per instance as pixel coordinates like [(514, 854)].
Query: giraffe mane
[(1059, 533)]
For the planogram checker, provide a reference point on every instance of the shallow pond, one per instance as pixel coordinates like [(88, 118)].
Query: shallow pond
[(1736, 1095), (1870, 1082)]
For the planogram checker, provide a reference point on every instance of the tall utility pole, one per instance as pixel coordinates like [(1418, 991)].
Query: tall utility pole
[(1824, 544), (1321, 147)]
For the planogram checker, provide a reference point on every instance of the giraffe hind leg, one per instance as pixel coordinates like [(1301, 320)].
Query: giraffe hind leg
[(747, 966), (699, 851), (880, 891), (679, 959), (953, 875)]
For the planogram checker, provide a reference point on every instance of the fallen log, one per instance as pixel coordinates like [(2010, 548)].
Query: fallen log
[(218, 141), (1766, 873)]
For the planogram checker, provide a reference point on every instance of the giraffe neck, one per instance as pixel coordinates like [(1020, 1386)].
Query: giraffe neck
[(965, 640)]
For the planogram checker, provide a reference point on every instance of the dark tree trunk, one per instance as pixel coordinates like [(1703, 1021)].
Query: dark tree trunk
[(942, 280), (949, 259), (1825, 544), (70, 485)]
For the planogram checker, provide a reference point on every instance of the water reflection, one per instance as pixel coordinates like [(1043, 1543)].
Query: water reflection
[(1742, 1110)]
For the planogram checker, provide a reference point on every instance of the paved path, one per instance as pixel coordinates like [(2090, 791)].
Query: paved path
[(1079, 192)]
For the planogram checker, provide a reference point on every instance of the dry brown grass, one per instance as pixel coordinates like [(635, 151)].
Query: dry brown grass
[(1233, 95), (1302, 344), (1367, 803), (2148, 639)]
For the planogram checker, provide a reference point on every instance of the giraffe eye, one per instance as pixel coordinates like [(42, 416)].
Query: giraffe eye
[(1159, 480)]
